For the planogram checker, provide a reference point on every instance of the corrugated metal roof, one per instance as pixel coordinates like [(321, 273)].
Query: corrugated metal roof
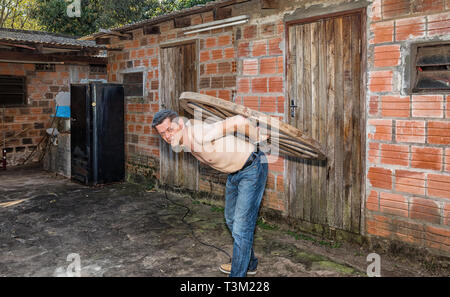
[(162, 18), (39, 37)]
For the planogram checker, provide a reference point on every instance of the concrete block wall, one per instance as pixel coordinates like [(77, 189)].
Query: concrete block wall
[(408, 172)]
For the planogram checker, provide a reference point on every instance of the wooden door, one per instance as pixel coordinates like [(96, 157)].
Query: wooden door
[(178, 74), (324, 81)]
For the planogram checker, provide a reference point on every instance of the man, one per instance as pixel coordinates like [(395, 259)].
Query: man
[(219, 146)]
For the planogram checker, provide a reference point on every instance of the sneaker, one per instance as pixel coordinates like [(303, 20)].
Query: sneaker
[(226, 268)]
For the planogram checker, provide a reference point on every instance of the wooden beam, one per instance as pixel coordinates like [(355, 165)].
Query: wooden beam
[(115, 33), (269, 4), (17, 45), (67, 59), (222, 13)]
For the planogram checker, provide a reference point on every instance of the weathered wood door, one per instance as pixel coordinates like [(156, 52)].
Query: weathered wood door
[(324, 81), (178, 74)]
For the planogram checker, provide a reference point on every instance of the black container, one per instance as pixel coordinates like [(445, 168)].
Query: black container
[(97, 133)]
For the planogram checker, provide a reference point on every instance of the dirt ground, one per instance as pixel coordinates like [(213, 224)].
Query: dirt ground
[(124, 230)]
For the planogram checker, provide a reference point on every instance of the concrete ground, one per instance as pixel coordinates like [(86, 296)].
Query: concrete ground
[(124, 230)]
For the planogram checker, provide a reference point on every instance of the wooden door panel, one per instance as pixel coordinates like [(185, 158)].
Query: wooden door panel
[(178, 74), (324, 82)]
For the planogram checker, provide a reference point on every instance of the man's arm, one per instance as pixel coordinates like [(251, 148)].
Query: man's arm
[(228, 126)]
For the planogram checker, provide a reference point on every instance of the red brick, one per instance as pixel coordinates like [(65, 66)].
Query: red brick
[(373, 105), (383, 32), (276, 84), (211, 42), (270, 181), (410, 131), (280, 104), (387, 55), (447, 159), (244, 49), (410, 182), (373, 201), (426, 158), (250, 67), (439, 132), (438, 185), (224, 67), (395, 8), (381, 81), (216, 54), (204, 56), (211, 68), (378, 228), (380, 178), (268, 66), (224, 40), (251, 102), (259, 85), (225, 94), (394, 154), (438, 238), (439, 24), (410, 28), (447, 214), (428, 106), (229, 53), (268, 104), (275, 46), (259, 48), (376, 11), (374, 152), (395, 106), (276, 163), (393, 204), (425, 210), (427, 5), (244, 85), (250, 32), (380, 129)]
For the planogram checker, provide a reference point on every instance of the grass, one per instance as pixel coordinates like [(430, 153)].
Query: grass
[(298, 236)]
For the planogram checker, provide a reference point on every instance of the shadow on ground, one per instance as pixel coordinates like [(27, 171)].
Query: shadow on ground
[(124, 230)]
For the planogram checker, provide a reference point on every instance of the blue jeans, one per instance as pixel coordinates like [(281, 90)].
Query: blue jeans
[(244, 192)]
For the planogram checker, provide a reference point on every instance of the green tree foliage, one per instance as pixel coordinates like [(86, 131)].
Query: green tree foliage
[(15, 14), (98, 14)]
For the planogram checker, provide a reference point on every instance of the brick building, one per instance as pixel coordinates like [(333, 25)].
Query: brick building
[(36, 70), (351, 74)]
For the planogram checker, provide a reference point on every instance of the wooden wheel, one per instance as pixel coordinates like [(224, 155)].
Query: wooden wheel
[(283, 137)]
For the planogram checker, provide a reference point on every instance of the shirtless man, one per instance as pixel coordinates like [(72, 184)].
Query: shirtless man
[(218, 146)]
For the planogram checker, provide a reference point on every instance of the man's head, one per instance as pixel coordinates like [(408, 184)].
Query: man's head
[(167, 123)]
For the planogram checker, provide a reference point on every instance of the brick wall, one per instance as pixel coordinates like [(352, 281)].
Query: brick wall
[(408, 172), (35, 116)]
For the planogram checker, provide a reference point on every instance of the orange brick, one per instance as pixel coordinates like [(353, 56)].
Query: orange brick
[(387, 55), (280, 104), (373, 201), (410, 131), (204, 56), (380, 178), (380, 129), (447, 214), (243, 85), (268, 66), (250, 67), (259, 85), (383, 32), (395, 8), (224, 40), (439, 132), (381, 81), (438, 238), (395, 106), (211, 42), (410, 28), (259, 48), (427, 5), (251, 102), (269, 104), (438, 185), (211, 68), (425, 210), (229, 53), (275, 46), (394, 154), (447, 160), (394, 204), (276, 84), (439, 24), (216, 54), (374, 152), (427, 106), (426, 157), (410, 182), (373, 105), (244, 49)]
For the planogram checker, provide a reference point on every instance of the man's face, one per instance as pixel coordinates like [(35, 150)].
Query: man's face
[(168, 128)]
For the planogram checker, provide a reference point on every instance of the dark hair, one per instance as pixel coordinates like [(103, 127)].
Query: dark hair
[(161, 115)]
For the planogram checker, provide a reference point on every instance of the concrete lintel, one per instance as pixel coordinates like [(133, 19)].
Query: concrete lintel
[(321, 9)]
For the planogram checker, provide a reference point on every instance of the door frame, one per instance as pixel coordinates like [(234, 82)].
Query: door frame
[(363, 93), (177, 43)]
